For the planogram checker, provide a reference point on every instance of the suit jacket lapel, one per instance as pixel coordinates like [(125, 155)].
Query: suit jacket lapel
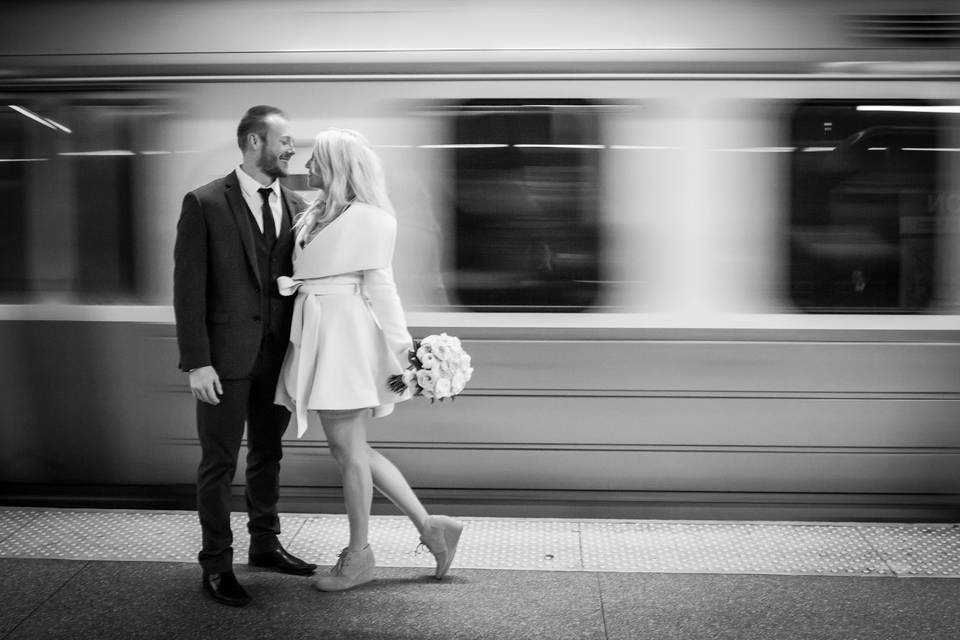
[(284, 244), (291, 210), (240, 216)]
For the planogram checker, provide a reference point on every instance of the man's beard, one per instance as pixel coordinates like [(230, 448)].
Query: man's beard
[(270, 165)]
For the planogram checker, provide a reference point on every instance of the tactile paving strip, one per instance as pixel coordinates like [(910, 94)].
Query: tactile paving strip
[(95, 535), (13, 520), (394, 540), (663, 547), (121, 535), (513, 543), (918, 550), (509, 543), (486, 543)]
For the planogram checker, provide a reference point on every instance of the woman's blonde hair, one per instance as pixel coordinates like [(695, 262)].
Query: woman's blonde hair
[(350, 172)]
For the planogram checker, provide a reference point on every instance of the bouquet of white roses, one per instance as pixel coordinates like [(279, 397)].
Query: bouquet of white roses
[(439, 368)]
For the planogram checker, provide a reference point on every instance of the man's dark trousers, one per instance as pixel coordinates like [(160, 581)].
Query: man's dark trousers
[(220, 428)]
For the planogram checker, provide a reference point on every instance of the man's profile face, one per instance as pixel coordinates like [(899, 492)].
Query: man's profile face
[(277, 149)]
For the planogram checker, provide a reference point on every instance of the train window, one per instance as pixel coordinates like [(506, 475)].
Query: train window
[(13, 162), (863, 205), (526, 204), (67, 181)]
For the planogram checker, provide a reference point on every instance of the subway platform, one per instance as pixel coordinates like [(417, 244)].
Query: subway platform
[(84, 573)]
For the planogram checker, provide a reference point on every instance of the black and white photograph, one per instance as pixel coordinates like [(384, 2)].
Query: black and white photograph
[(480, 320)]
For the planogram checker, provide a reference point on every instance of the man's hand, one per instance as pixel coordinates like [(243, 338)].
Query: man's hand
[(205, 385)]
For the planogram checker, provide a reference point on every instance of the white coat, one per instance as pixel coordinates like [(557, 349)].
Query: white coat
[(349, 333)]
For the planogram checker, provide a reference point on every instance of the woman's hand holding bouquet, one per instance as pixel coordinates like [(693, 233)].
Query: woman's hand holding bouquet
[(439, 368)]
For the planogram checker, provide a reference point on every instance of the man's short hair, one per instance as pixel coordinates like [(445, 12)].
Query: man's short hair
[(255, 121)]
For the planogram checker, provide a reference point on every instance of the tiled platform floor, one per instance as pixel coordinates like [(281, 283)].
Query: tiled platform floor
[(644, 546), (103, 600)]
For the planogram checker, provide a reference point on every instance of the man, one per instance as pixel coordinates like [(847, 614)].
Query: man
[(233, 240)]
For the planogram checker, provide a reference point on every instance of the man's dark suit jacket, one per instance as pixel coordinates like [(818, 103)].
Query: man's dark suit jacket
[(217, 292)]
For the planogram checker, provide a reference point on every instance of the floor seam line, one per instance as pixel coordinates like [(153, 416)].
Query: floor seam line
[(603, 614), (876, 550), (47, 599), (293, 538), (583, 563), (20, 528)]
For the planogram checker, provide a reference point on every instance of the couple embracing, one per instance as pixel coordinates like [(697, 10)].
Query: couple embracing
[(288, 307)]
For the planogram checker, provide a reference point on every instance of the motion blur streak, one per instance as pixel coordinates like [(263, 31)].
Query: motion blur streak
[(706, 255)]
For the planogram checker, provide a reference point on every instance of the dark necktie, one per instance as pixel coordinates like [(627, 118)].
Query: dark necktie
[(269, 228)]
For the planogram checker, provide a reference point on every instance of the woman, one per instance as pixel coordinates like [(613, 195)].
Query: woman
[(348, 337)]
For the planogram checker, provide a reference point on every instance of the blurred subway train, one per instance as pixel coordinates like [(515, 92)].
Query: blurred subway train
[(705, 255)]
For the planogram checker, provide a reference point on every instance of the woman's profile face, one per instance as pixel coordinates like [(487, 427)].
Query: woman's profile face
[(313, 175)]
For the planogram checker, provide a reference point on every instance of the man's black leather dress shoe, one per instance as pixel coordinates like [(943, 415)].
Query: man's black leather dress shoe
[(280, 560), (224, 588)]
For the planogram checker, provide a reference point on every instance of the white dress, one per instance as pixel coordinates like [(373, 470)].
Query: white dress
[(348, 334)]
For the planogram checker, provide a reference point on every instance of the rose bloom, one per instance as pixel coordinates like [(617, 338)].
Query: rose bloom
[(457, 382), (442, 388), (455, 359), (425, 378)]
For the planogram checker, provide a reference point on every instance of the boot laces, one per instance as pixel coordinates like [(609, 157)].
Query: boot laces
[(343, 559), (424, 544)]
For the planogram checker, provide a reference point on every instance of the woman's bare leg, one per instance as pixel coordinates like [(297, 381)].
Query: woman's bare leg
[(391, 483), (347, 439)]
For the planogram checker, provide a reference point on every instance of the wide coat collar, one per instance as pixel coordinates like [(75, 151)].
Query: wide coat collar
[(360, 238)]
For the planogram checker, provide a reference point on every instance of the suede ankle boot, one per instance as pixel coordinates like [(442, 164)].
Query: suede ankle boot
[(440, 535), (353, 568)]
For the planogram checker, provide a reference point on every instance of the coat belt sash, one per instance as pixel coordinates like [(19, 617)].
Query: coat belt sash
[(307, 292)]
